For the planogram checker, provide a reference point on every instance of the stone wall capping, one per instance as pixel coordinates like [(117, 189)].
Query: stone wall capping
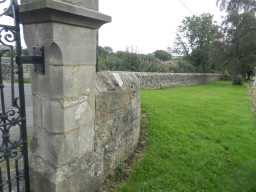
[(43, 11), (168, 80)]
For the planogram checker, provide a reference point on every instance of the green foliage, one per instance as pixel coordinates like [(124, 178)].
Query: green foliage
[(240, 36), (162, 55), (120, 171), (125, 61), (185, 67), (237, 6), (198, 38), (201, 138), (228, 48), (182, 65)]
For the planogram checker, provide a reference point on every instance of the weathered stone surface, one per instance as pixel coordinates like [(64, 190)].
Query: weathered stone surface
[(118, 110), (64, 156), (51, 85), (165, 80), (66, 144), (81, 175), (72, 12), (89, 4), (62, 41), (117, 118), (116, 134)]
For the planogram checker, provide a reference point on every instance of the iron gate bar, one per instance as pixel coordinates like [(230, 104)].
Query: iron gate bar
[(23, 127), (30, 59), (37, 59), (14, 152), (12, 76)]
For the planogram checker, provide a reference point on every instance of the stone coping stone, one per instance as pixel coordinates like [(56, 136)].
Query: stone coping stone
[(42, 11)]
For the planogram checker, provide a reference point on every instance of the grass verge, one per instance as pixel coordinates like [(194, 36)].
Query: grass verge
[(201, 138)]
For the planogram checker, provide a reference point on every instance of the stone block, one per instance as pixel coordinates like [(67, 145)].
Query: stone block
[(82, 174), (91, 4), (71, 81), (71, 12), (63, 44), (79, 80), (58, 150), (77, 44)]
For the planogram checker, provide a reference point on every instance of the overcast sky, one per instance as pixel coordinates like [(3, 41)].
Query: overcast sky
[(148, 25)]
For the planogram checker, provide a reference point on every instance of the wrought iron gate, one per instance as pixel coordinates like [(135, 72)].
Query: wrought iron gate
[(14, 167), (14, 172)]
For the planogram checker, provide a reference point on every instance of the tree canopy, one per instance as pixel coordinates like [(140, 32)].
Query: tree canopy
[(239, 28), (196, 38), (162, 55)]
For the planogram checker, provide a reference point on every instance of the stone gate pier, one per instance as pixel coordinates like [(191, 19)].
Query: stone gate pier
[(64, 157)]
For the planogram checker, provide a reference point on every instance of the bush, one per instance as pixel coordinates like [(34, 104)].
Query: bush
[(238, 80)]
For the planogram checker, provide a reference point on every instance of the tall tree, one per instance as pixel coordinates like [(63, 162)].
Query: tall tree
[(196, 38), (240, 37)]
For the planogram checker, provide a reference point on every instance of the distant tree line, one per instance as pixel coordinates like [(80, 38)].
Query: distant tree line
[(159, 61)]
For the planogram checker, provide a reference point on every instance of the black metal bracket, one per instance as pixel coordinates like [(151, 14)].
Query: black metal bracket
[(37, 59)]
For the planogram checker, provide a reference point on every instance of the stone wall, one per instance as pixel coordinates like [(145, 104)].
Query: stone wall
[(117, 118), (118, 110), (165, 80)]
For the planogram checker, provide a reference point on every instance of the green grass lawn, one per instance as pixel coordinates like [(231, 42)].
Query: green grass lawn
[(201, 138)]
